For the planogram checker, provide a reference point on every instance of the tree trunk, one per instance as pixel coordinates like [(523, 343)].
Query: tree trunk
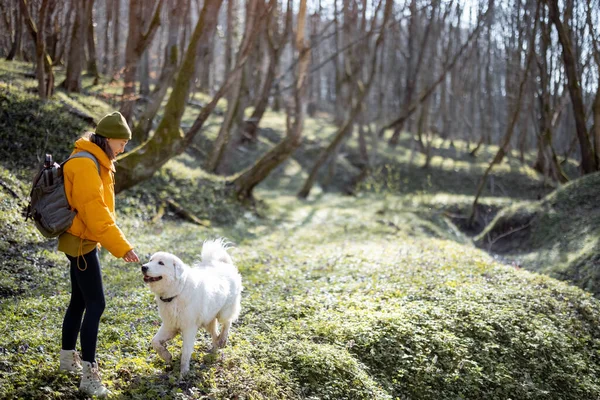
[(596, 106), (547, 161), (137, 43), (234, 101), (315, 78), (596, 129), (116, 39), (15, 50), (168, 140), (414, 67), (72, 82), (220, 143), (423, 132), (106, 53), (514, 117), (92, 66), (53, 29), (64, 42), (275, 46), (588, 158), (43, 64), (144, 75), (172, 51), (40, 52), (231, 34)]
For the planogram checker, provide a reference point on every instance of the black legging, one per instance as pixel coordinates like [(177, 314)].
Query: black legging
[(87, 294)]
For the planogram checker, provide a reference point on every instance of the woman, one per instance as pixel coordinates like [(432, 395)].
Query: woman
[(90, 191)]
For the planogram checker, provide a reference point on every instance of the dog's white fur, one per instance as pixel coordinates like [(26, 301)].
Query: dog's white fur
[(203, 294)]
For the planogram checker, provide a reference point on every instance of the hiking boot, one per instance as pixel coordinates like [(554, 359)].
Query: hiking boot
[(91, 383), (70, 361)]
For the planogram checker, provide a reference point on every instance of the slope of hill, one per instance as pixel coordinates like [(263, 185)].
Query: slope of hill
[(559, 235)]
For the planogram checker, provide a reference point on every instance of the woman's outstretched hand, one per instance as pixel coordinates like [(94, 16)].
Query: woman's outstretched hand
[(130, 256)]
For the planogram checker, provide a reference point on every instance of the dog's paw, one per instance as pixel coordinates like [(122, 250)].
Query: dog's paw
[(221, 343), (183, 373), (165, 355)]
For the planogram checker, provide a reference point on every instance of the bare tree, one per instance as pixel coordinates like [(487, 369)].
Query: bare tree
[(516, 110), (408, 111), (588, 159), (276, 42), (116, 37), (137, 42), (167, 140), (547, 160), (171, 62), (92, 63), (235, 105), (363, 90), (107, 21), (595, 48), (15, 50), (43, 62), (413, 61), (72, 82), (245, 183)]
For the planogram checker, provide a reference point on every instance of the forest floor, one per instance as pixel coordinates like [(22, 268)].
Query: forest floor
[(379, 295)]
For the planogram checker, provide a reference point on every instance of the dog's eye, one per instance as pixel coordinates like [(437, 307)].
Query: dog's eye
[(161, 263)]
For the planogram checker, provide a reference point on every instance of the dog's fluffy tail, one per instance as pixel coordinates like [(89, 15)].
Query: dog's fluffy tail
[(216, 250)]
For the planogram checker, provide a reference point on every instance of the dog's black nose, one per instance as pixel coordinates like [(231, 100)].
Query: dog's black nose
[(144, 268)]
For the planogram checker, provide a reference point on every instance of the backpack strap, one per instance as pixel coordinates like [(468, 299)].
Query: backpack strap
[(85, 154)]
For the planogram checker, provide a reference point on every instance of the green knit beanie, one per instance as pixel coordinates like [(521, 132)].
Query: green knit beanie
[(114, 126)]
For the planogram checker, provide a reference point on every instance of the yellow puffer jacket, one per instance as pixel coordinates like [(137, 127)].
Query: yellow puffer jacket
[(93, 196)]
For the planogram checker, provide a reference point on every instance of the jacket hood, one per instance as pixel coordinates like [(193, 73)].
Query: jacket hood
[(83, 144)]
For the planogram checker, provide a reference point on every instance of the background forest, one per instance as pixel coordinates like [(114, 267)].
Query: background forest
[(411, 188)]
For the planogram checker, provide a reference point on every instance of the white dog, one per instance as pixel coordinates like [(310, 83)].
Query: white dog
[(192, 297)]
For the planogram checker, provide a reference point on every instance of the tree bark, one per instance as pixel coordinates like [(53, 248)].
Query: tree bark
[(43, 62), (15, 50), (106, 53), (40, 52), (596, 106), (547, 161), (116, 39), (64, 42), (72, 82), (231, 34), (92, 63)]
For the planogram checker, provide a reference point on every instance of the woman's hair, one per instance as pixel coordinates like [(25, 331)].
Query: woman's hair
[(101, 142)]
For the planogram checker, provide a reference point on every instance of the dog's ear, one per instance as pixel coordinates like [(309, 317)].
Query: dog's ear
[(178, 268)]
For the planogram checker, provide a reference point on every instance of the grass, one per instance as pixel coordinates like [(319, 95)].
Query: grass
[(372, 296)]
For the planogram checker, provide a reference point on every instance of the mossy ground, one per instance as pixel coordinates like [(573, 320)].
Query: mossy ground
[(372, 296), (558, 235)]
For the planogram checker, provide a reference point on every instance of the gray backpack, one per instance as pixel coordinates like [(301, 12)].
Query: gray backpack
[(48, 206)]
